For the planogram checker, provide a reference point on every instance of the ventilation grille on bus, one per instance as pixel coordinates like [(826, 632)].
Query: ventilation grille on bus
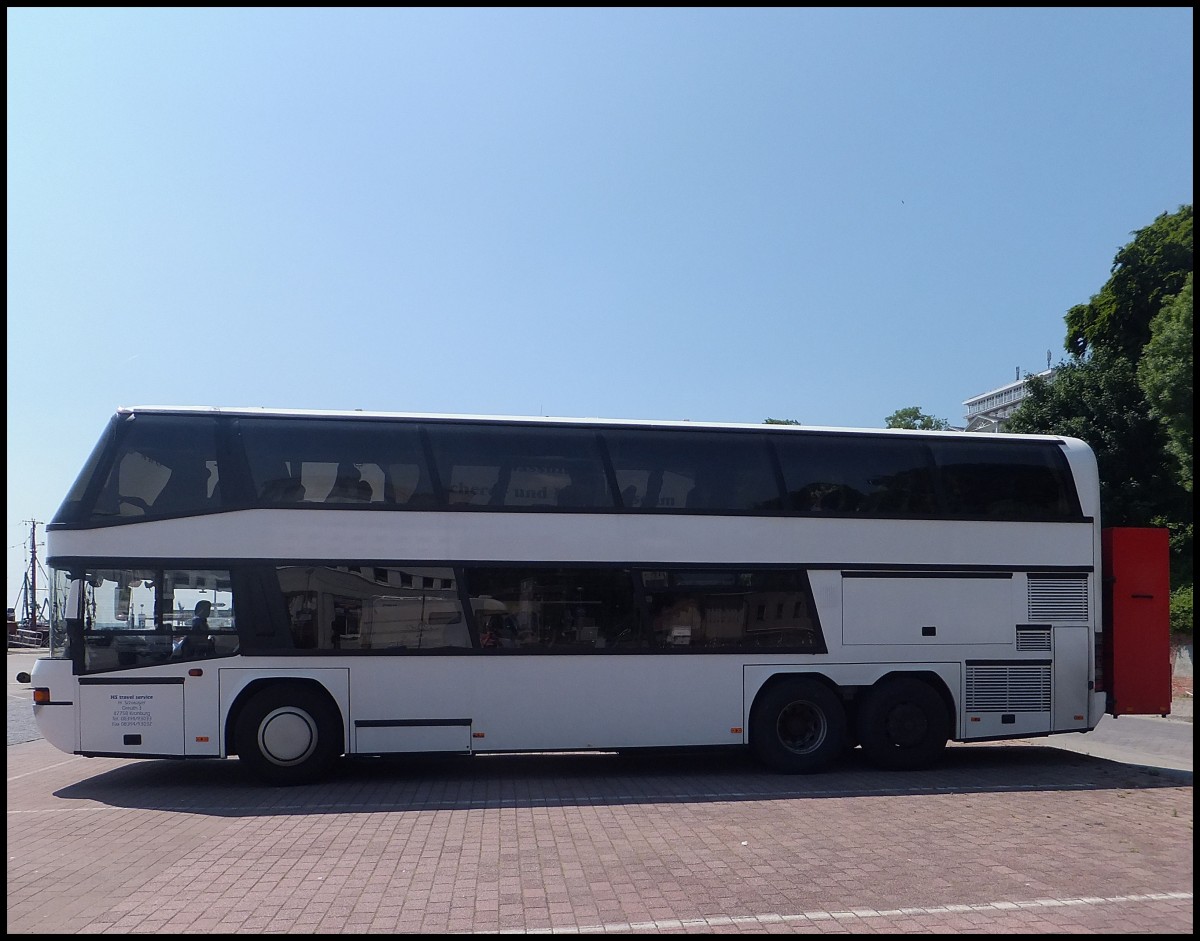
[(1008, 688), (1058, 597), (1033, 638)]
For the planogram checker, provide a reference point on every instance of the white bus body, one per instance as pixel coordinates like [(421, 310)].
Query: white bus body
[(375, 629)]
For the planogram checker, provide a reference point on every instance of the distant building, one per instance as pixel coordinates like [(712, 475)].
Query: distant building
[(987, 412)]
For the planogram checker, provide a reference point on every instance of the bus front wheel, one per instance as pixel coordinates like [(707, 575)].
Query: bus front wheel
[(289, 734), (798, 726), (903, 724)]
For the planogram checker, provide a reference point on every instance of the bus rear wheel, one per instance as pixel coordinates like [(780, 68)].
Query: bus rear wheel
[(903, 724), (288, 734), (798, 726)]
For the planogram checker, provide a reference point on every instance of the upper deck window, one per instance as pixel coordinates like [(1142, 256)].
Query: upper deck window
[(692, 470), (163, 466), (858, 476), (984, 479), (310, 461), (154, 465), (484, 466)]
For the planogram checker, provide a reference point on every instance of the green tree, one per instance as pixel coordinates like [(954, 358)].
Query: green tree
[(780, 421), (1127, 386), (1146, 272), (912, 417), (1165, 375)]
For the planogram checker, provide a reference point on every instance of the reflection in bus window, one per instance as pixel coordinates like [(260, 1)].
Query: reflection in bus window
[(530, 467), (555, 609), (302, 461), (692, 470), (165, 468), (561, 609), (867, 476), (354, 607), (998, 480), (140, 617), (728, 608)]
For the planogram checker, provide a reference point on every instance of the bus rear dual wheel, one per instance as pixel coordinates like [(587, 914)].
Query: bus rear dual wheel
[(288, 733), (799, 725), (902, 724)]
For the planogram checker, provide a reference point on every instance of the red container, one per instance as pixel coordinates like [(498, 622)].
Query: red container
[(1137, 621)]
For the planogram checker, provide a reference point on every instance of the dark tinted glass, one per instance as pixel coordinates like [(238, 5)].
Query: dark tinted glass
[(692, 470), (142, 617), (310, 461), (562, 610), (360, 607), (151, 466), (552, 609), (984, 479), (713, 608), (857, 476), (520, 467), (163, 466)]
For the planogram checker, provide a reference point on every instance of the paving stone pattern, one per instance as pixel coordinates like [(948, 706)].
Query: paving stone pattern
[(1002, 838)]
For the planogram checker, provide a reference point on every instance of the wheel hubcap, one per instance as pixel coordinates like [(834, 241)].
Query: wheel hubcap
[(801, 727), (287, 736)]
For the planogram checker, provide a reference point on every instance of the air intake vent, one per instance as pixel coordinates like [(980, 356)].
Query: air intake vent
[(1058, 597), (1033, 638), (1008, 688)]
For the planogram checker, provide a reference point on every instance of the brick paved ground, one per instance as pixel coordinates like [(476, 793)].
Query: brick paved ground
[(1003, 838)]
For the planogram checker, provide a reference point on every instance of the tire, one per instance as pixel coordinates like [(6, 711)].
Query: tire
[(903, 725), (798, 726), (288, 734)]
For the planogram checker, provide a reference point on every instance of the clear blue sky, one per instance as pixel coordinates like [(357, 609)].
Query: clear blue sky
[(707, 214)]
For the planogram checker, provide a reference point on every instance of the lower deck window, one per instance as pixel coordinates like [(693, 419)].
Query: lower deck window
[(547, 609), (131, 617), (360, 607)]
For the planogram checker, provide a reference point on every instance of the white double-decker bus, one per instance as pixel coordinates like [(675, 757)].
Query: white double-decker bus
[(295, 586)]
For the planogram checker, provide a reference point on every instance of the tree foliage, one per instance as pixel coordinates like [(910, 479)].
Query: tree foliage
[(1181, 610), (1146, 272), (1126, 388), (780, 421), (1165, 375), (912, 417)]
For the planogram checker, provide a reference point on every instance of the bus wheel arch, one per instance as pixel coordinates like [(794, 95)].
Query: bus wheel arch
[(287, 731), (798, 723), (904, 721)]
